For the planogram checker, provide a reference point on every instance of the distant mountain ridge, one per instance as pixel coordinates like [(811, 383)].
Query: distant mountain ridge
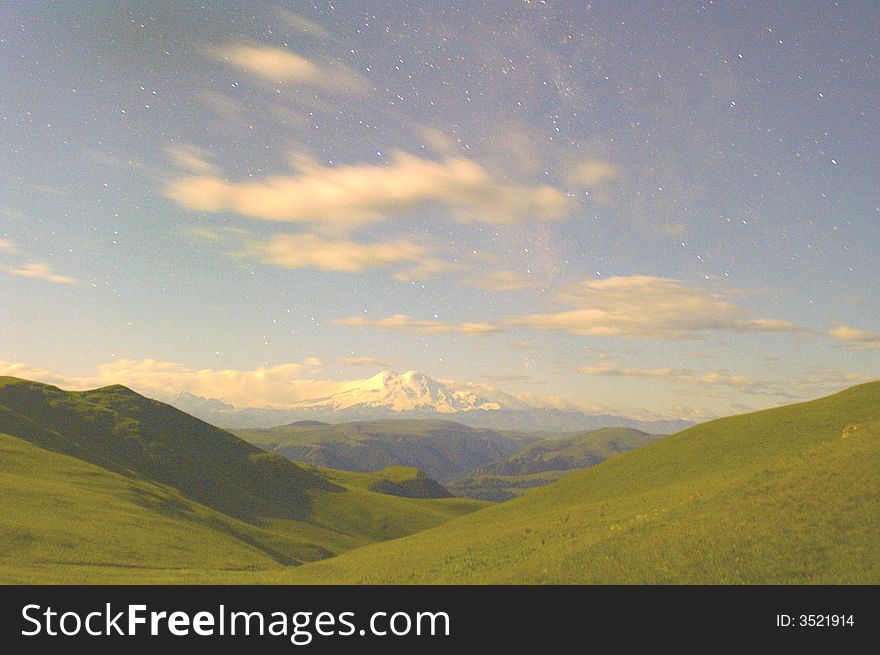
[(410, 392), (541, 462), (443, 449), (415, 395)]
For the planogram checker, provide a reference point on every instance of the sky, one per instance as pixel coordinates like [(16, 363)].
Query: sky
[(666, 209)]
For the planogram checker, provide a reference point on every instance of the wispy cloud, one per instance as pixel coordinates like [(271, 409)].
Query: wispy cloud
[(503, 280), (41, 271), (643, 306), (7, 245), (797, 388), (13, 213), (360, 194), (312, 251), (404, 323), (855, 337), (672, 229), (592, 173), (191, 158), (743, 383), (280, 65), (302, 23), (365, 361)]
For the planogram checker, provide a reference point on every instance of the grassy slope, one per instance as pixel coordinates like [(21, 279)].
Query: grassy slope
[(545, 461), (108, 485), (442, 449), (788, 495)]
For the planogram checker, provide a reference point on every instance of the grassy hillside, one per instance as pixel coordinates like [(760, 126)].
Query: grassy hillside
[(788, 495), (403, 481), (545, 461), (444, 450), (107, 484)]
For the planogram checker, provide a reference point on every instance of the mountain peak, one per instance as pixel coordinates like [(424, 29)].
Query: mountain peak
[(410, 391)]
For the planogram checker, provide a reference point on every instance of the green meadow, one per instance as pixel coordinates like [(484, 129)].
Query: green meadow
[(108, 486)]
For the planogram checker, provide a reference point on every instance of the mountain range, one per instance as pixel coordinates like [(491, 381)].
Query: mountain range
[(107, 486), (415, 395)]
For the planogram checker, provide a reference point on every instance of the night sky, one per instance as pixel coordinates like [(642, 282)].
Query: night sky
[(656, 209)]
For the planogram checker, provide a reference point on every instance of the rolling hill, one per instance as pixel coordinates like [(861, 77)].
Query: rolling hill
[(444, 450), (788, 495), (545, 461), (106, 483)]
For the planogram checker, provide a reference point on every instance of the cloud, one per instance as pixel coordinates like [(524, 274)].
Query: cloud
[(643, 306), (435, 140), (404, 323), (592, 173), (819, 382), (269, 386), (425, 269), (226, 108), (13, 213), (312, 251), (191, 158), (41, 271), (854, 337), (672, 229), (302, 23), (505, 280), (280, 65), (741, 383), (7, 245), (365, 361), (361, 194)]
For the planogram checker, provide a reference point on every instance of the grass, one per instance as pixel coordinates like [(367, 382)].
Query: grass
[(444, 450), (547, 460), (110, 486), (788, 495)]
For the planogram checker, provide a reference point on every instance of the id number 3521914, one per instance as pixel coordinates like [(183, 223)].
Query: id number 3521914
[(815, 620)]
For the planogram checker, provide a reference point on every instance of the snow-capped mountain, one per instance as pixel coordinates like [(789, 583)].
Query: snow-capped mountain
[(388, 395), (410, 392)]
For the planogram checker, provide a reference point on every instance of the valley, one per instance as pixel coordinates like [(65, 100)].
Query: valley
[(110, 486)]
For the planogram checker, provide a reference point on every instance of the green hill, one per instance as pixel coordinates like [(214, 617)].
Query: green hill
[(403, 481), (444, 450), (106, 484), (545, 461), (788, 495)]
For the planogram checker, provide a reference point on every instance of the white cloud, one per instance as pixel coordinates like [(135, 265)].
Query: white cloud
[(191, 158), (643, 306), (7, 245), (312, 251), (361, 194), (280, 65), (592, 173), (404, 323), (854, 337), (41, 271), (435, 140)]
